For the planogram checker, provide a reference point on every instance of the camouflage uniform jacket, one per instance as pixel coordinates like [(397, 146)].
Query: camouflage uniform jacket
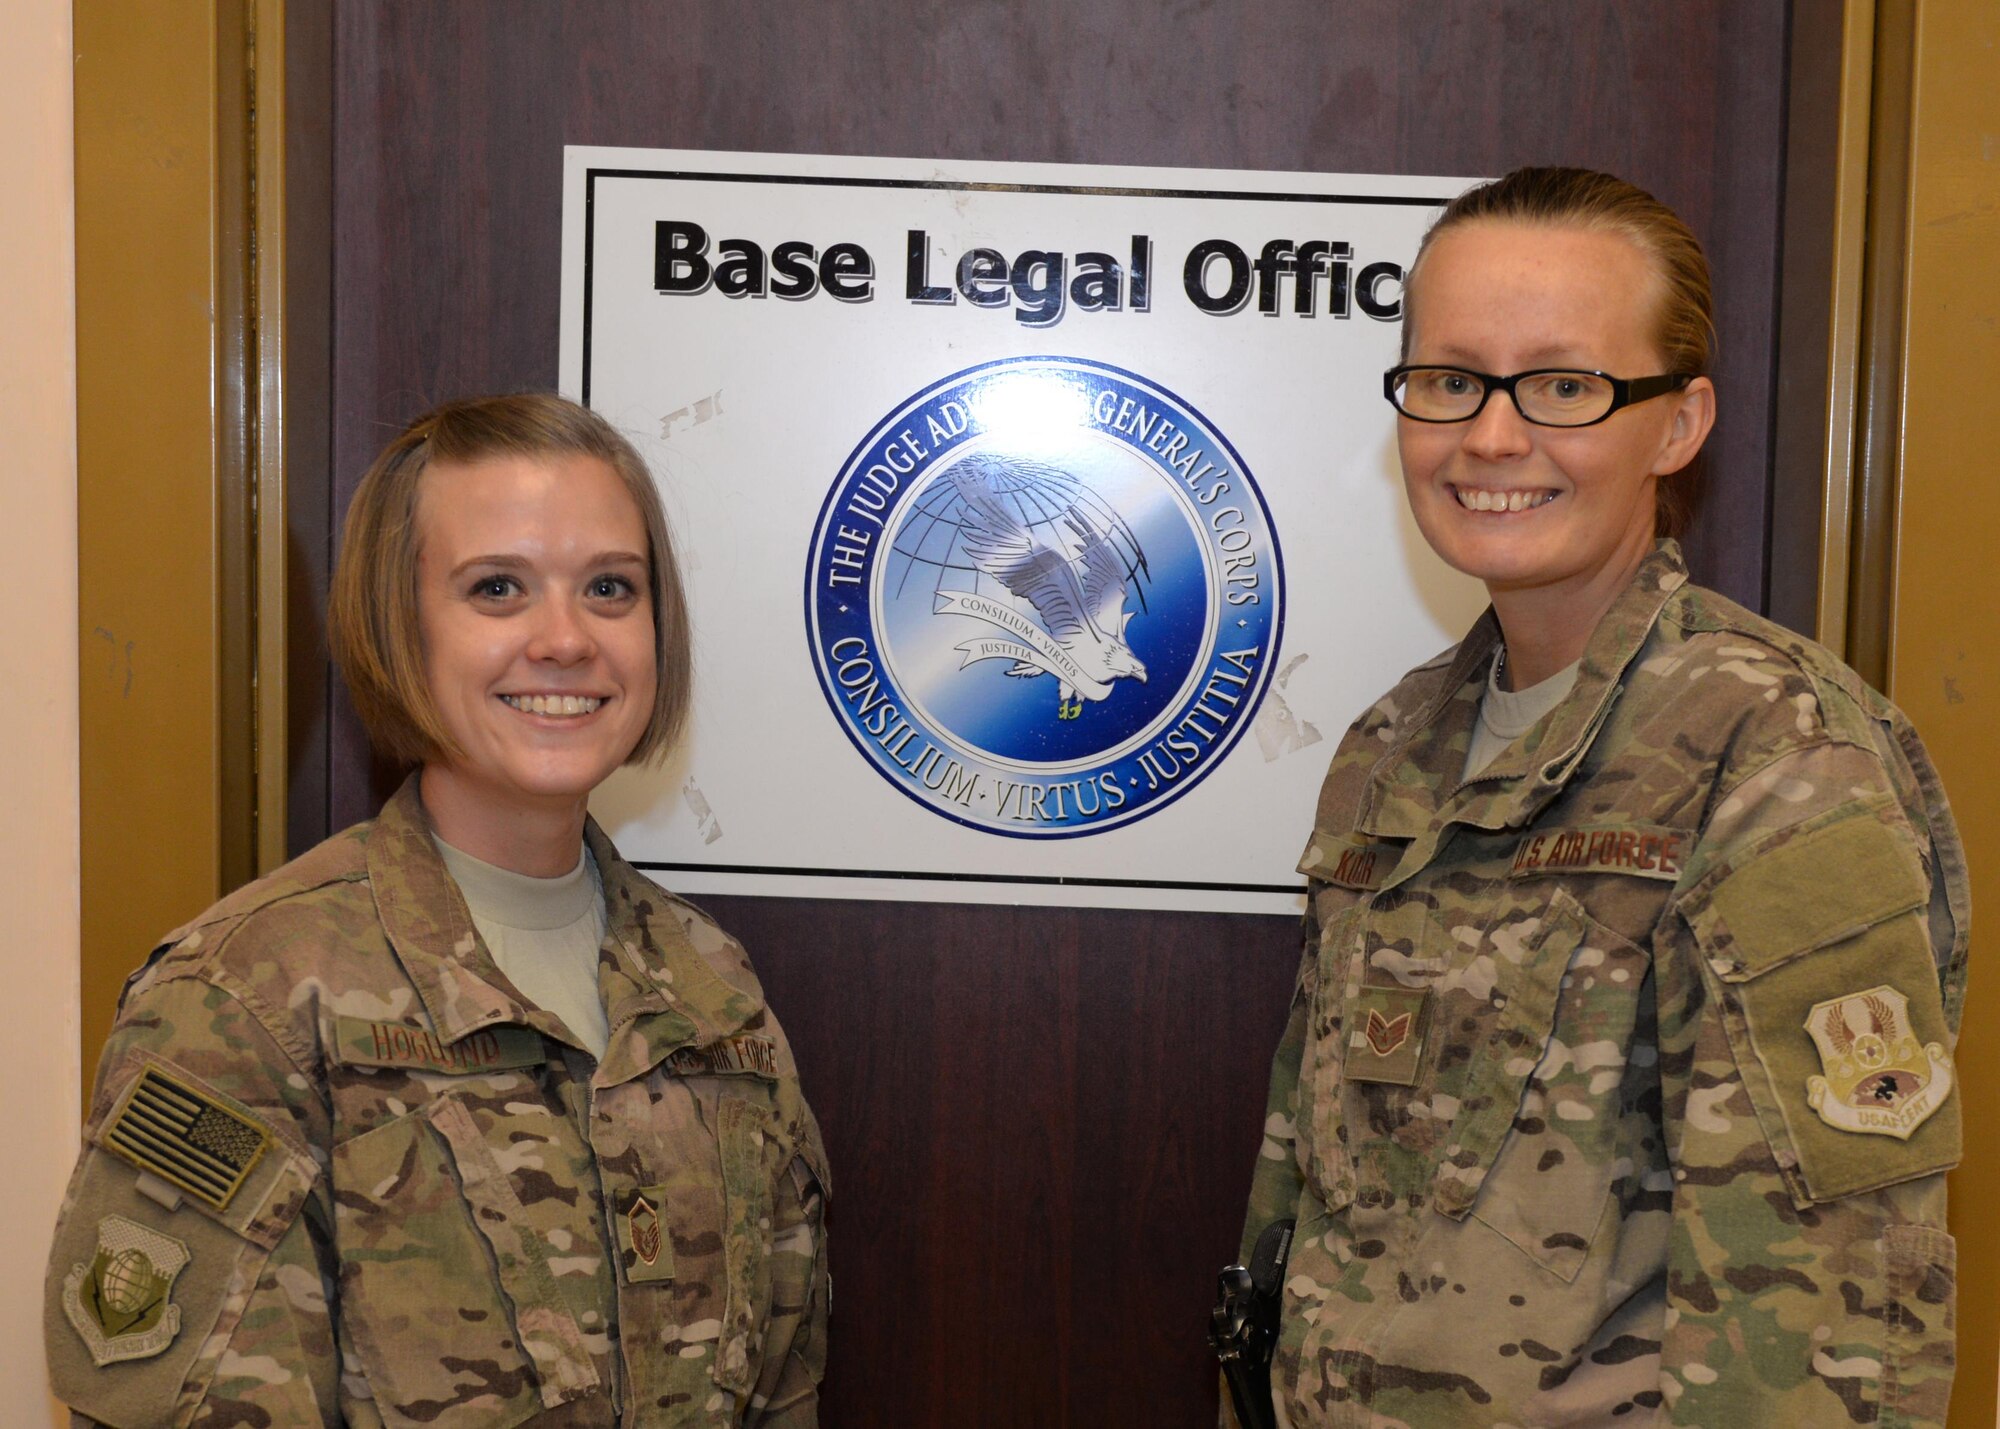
[(1617, 1086), (335, 1172)]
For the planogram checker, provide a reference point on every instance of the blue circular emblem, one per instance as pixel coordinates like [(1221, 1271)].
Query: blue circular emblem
[(1044, 597)]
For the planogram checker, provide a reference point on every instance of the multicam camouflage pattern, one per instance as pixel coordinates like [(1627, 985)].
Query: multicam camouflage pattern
[(1603, 1196), (454, 1177)]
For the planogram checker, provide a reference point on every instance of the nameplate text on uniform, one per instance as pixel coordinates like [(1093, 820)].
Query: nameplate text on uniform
[(1351, 863), (359, 1042)]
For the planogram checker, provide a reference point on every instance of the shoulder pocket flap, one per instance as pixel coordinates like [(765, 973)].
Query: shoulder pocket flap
[(1829, 994), (180, 1197), (190, 1144), (1804, 888)]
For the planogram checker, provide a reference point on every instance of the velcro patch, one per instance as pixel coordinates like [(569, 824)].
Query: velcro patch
[(732, 1056), (1642, 851), (1386, 1034), (185, 1138), (1880, 1079), (1350, 863), (357, 1042), (119, 1301), (645, 1249)]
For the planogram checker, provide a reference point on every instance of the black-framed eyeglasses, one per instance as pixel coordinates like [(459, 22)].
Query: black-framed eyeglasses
[(1547, 396)]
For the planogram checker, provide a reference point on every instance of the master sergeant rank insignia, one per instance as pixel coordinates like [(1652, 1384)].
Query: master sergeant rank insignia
[(118, 1302), (1879, 1079), (647, 1252)]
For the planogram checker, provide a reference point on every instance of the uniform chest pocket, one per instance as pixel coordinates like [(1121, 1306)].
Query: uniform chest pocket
[(446, 1290), (1535, 1146), (694, 1316)]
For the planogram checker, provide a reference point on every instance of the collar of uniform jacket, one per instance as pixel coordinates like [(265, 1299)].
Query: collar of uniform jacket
[(662, 995), (1419, 777)]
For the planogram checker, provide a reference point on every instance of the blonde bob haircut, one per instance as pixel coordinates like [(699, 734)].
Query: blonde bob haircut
[(372, 622), (1683, 321)]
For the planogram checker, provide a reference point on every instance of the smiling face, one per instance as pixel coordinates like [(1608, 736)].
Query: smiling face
[(537, 623), (1551, 519)]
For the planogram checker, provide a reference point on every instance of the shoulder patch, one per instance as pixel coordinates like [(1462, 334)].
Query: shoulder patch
[(1880, 1080), (358, 1042), (119, 1301), (185, 1137)]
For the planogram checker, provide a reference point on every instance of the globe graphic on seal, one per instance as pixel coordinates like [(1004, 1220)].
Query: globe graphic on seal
[(1038, 496), (1044, 597), (1059, 503), (127, 1281)]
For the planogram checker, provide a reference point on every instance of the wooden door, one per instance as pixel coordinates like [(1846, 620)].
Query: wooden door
[(1041, 1121)]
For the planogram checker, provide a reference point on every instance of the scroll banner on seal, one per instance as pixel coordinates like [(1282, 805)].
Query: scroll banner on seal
[(1042, 524)]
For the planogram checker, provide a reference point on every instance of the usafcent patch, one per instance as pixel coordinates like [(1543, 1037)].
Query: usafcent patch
[(119, 1301), (1879, 1079)]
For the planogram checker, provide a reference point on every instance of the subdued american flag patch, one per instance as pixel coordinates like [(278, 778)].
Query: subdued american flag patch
[(186, 1138)]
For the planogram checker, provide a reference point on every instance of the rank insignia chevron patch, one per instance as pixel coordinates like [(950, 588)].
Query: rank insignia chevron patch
[(649, 1251), (1387, 1041)]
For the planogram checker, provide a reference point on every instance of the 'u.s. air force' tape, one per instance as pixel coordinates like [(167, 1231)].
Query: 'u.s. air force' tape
[(748, 1055), (186, 1138), (1640, 850)]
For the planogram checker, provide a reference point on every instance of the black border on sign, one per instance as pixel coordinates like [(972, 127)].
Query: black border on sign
[(590, 178)]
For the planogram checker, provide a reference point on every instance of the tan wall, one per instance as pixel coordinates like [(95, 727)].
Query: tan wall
[(158, 318), (38, 760), (1945, 650)]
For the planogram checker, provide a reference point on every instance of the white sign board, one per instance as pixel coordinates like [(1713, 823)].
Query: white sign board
[(1042, 524)]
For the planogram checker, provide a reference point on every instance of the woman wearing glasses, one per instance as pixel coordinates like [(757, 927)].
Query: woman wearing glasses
[(1618, 1085)]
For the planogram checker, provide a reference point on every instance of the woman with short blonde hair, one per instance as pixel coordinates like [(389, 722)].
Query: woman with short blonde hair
[(458, 1119)]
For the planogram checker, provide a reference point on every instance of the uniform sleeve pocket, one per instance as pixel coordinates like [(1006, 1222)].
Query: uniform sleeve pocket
[(171, 1216), (1816, 945), (444, 1288), (748, 1154), (1921, 1263), (801, 1283)]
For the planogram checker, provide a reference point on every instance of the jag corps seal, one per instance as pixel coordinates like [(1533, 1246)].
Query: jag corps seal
[(1044, 597)]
